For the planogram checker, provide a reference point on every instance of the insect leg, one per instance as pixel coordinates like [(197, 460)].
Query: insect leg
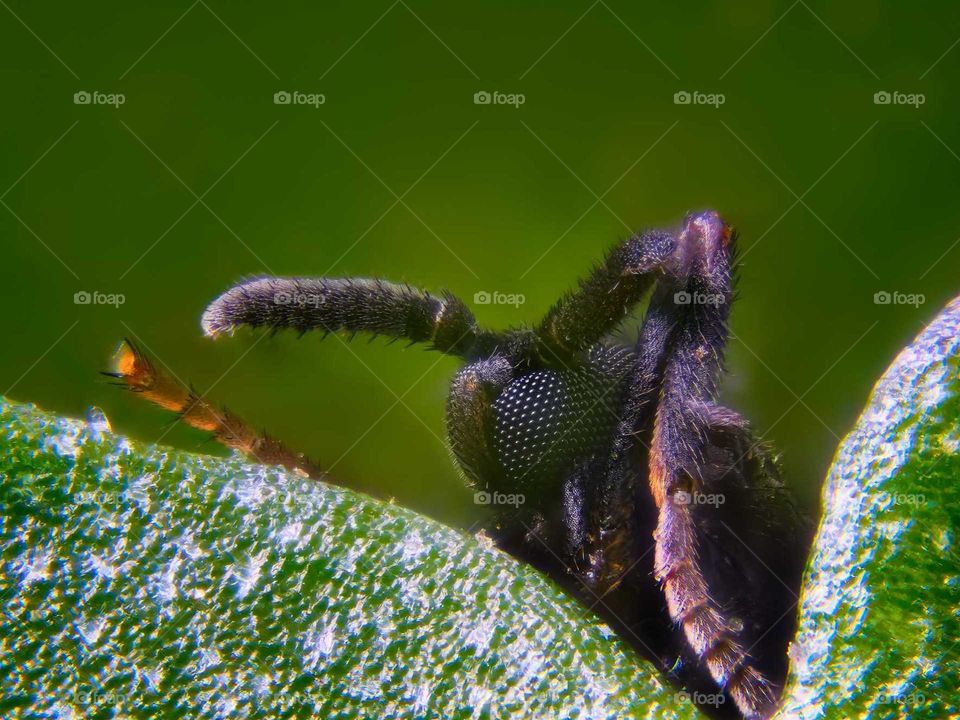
[(137, 373), (678, 458), (582, 317), (350, 304), (614, 509)]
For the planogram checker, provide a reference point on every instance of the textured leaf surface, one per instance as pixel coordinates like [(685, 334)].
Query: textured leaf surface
[(880, 614), (138, 581)]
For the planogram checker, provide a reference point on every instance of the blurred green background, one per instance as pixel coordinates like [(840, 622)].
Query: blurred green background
[(836, 197)]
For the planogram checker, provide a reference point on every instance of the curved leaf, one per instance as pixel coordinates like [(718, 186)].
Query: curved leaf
[(880, 614), (144, 582)]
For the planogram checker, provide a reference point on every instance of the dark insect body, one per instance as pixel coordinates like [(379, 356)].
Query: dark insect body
[(643, 497)]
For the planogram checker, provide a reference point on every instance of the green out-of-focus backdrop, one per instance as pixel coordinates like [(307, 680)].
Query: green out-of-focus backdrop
[(147, 153)]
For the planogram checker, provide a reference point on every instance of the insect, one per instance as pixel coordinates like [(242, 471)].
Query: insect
[(642, 496)]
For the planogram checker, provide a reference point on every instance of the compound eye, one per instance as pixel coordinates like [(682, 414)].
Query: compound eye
[(545, 420)]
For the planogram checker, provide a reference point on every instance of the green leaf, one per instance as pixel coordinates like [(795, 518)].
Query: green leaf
[(879, 631), (140, 581)]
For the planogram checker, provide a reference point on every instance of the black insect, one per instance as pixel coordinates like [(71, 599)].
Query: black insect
[(642, 496)]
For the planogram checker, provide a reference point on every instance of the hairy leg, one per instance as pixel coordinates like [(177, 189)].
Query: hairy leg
[(614, 514), (137, 373), (579, 320), (350, 304), (604, 298), (678, 460), (752, 546)]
